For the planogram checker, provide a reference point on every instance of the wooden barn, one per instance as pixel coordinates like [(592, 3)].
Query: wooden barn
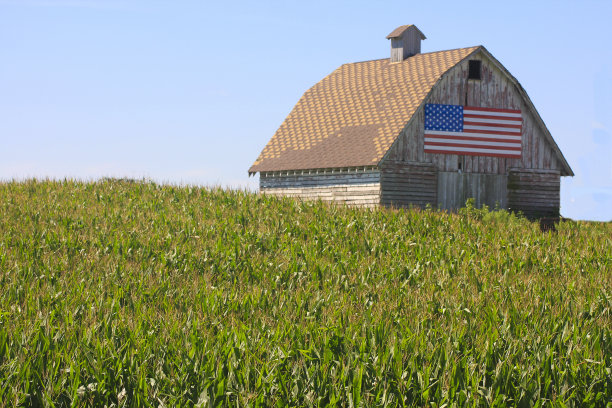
[(417, 129)]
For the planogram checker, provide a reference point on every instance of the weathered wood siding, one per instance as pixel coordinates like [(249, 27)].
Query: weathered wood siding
[(406, 45), (407, 184), (397, 49), (534, 189), (351, 188), (494, 90), (534, 193), (454, 189)]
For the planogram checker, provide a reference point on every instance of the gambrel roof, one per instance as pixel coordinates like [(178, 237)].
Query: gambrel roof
[(353, 116)]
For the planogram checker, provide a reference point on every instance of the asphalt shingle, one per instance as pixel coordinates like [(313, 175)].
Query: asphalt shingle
[(353, 116)]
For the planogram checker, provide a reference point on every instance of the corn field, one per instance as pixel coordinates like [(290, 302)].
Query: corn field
[(121, 293)]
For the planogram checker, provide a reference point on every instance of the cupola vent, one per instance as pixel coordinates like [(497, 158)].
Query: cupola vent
[(405, 42)]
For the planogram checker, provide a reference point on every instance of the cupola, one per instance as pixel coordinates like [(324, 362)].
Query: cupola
[(405, 42)]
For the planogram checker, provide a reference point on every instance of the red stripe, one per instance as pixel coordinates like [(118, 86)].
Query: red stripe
[(490, 124), (518, 148), (480, 139), (491, 109), (513, 156), (470, 115), (491, 132)]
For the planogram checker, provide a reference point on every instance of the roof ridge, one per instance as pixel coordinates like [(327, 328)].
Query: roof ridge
[(422, 53)]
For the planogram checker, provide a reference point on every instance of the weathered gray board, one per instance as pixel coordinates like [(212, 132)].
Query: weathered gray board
[(405, 184), (533, 192), (351, 187), (454, 189), (295, 180), (406, 45)]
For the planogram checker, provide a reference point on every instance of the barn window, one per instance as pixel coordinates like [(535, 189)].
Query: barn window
[(475, 67)]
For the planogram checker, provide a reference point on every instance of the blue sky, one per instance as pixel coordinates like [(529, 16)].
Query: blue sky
[(191, 91)]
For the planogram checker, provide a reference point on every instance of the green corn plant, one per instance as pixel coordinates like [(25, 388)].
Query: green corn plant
[(130, 293)]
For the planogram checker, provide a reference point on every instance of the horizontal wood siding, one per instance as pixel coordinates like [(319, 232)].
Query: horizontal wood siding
[(454, 189), (317, 180), (494, 90), (535, 194), (407, 184), (359, 189)]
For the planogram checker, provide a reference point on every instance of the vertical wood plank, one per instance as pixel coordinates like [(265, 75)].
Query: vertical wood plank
[(542, 147), (419, 153), (527, 143), (535, 152), (467, 164)]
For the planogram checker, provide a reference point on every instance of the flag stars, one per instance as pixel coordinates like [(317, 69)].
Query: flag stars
[(444, 117)]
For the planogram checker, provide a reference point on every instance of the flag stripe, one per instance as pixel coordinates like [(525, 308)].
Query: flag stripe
[(478, 145), (490, 126), (474, 116), (503, 128), (482, 119), (493, 114), (504, 111), (433, 138), (474, 152), (497, 132), (473, 134), (468, 130)]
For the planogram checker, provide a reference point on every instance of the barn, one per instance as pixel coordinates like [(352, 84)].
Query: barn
[(417, 129)]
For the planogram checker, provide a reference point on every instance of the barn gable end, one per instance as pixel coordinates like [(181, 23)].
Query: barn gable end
[(496, 89), (494, 181)]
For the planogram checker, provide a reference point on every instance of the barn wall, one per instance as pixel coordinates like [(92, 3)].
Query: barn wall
[(408, 184), (454, 189), (351, 188), (534, 193), (494, 90)]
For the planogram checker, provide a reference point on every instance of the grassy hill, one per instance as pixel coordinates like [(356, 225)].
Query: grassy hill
[(137, 294)]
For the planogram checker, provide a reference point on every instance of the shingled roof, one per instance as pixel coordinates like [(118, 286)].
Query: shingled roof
[(401, 29), (353, 115)]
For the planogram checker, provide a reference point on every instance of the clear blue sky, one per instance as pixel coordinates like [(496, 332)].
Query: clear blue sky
[(191, 91)]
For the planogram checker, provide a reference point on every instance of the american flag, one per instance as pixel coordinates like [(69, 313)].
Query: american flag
[(466, 130)]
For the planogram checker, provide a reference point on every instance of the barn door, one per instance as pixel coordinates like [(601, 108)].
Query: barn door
[(455, 188)]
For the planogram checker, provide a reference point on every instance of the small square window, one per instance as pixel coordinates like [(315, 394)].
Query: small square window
[(475, 68)]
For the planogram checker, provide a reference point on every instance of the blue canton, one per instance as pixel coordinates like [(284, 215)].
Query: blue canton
[(447, 118)]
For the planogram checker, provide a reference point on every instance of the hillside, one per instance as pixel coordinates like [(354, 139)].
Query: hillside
[(137, 294)]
